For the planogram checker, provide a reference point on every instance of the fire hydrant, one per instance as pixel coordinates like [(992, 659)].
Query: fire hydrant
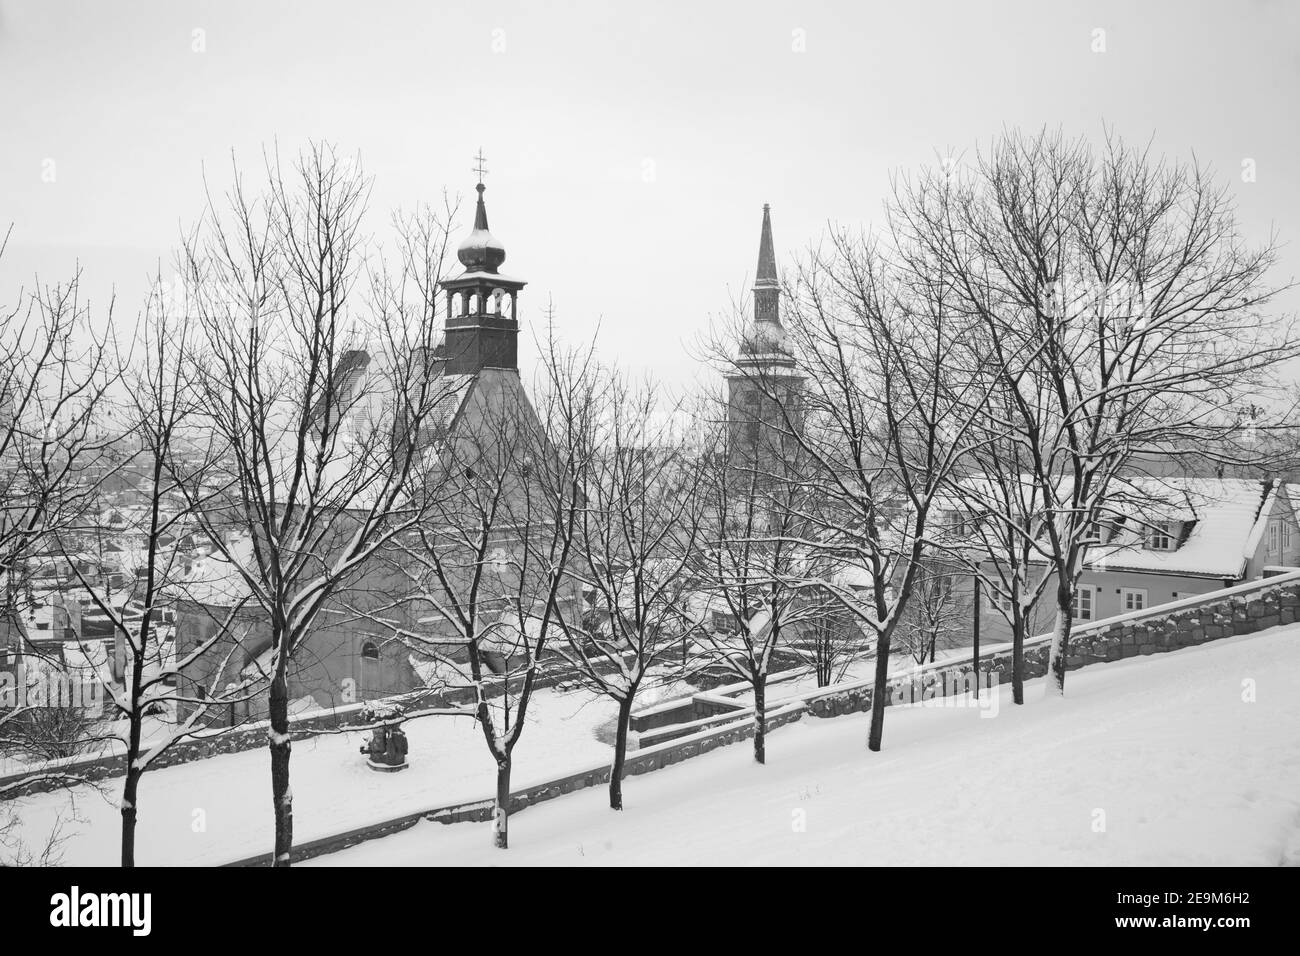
[(386, 751)]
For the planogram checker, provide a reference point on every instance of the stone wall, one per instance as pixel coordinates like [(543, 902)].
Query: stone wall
[(247, 736), (703, 704), (206, 744), (1243, 609)]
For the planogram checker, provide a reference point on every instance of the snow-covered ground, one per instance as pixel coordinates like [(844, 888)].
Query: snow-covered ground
[(219, 809), (1155, 760)]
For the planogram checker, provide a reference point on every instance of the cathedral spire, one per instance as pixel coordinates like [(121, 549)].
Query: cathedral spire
[(766, 334), (763, 403), (766, 273)]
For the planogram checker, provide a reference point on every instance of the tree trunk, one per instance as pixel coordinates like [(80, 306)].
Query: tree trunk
[(760, 718), (1060, 645), (131, 786), (129, 812), (879, 688), (281, 795), (620, 754), (975, 637), (501, 815), (1018, 660)]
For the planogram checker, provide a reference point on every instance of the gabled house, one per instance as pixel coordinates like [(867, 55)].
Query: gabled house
[(1159, 540)]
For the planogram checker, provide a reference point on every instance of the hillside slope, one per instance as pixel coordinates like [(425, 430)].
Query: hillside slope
[(1155, 760)]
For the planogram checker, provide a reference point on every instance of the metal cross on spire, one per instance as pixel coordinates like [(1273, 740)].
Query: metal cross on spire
[(479, 168)]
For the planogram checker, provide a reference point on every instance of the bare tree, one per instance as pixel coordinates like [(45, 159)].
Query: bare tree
[(889, 420), (635, 542), (758, 568), (54, 446), (999, 518), (16, 851), (831, 642), (1117, 310), (486, 567), (319, 402), (140, 674), (49, 730), (939, 614), (54, 449), (21, 731)]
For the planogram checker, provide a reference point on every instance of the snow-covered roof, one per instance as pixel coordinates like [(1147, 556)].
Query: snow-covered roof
[(213, 580), (263, 665), (496, 278), (444, 410), (1226, 517)]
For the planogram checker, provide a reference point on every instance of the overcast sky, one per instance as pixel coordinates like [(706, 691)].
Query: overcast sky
[(630, 146)]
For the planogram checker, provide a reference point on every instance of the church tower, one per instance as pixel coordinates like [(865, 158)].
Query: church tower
[(763, 387), (482, 321)]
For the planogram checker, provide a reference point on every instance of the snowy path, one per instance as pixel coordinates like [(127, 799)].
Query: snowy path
[(1185, 772), (219, 809)]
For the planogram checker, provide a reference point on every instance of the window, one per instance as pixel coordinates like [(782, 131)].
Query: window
[(1092, 532), (724, 622), (1133, 599), (370, 651), (1161, 536), (1081, 609), (1274, 537), (952, 521), (1001, 601), (1286, 536)]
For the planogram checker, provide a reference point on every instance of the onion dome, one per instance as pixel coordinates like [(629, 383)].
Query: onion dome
[(481, 252)]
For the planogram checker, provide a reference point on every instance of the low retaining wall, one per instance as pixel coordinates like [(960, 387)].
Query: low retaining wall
[(659, 735), (250, 736), (93, 767), (205, 743), (1243, 609), (701, 704)]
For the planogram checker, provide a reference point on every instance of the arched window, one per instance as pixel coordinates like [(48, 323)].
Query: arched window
[(370, 651)]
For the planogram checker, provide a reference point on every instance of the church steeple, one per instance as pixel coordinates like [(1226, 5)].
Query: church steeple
[(767, 291), (764, 385), (481, 252), (766, 272), (482, 330), (766, 336)]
